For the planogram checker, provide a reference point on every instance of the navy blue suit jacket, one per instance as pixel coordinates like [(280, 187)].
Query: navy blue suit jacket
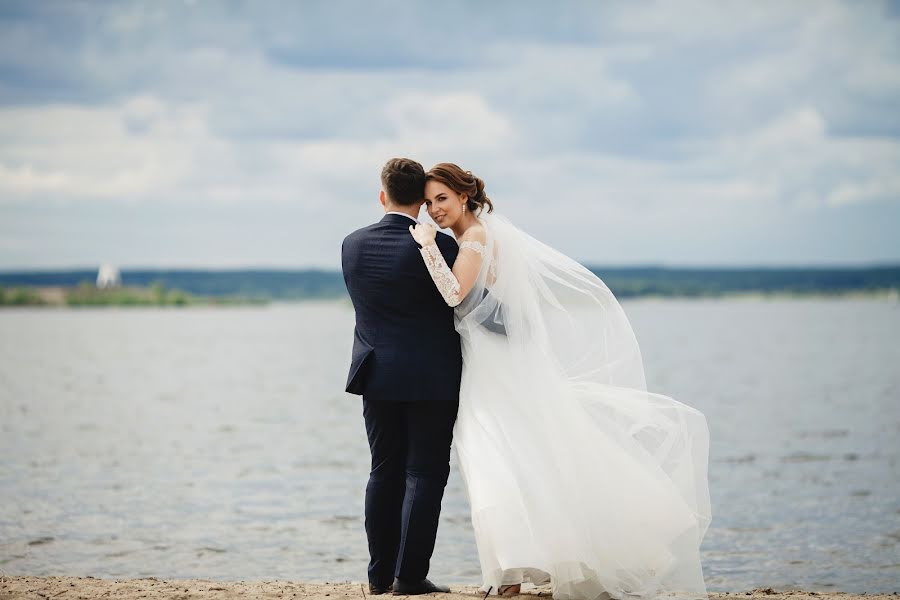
[(405, 345)]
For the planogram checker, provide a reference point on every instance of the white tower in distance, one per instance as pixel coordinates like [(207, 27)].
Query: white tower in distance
[(108, 276)]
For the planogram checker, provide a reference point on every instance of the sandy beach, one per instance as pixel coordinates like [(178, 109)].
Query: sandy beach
[(24, 586)]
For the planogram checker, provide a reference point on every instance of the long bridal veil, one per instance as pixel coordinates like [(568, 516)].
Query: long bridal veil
[(575, 472)]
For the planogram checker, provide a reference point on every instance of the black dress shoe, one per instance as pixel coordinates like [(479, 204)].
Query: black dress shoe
[(414, 588), (374, 590)]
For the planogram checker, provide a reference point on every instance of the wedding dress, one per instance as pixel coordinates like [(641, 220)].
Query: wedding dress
[(575, 473)]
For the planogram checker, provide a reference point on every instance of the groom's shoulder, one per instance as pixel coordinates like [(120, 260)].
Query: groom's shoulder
[(447, 243), (360, 233), (443, 238)]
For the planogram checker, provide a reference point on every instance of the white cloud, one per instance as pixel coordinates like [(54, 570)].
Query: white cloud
[(75, 153)]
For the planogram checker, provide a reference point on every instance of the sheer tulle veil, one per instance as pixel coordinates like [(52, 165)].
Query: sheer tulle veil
[(613, 495)]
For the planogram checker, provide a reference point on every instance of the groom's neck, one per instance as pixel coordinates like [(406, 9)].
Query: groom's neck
[(412, 211)]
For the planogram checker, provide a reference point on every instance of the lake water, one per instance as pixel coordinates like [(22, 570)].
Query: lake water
[(219, 443)]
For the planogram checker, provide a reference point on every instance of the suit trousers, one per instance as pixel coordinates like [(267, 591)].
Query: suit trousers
[(410, 447)]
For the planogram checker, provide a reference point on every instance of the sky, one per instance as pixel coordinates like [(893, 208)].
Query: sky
[(252, 134)]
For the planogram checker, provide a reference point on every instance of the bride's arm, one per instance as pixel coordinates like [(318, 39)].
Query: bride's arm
[(455, 283)]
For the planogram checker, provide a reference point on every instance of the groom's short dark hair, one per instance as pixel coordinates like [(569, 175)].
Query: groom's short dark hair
[(403, 180)]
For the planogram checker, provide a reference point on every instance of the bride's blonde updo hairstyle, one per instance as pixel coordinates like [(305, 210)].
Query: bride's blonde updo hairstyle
[(462, 182)]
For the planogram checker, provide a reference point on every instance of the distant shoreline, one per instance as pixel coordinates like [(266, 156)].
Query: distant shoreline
[(71, 297), (86, 294), (184, 286), (889, 295)]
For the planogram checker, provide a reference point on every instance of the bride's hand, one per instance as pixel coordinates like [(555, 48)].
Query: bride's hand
[(423, 233)]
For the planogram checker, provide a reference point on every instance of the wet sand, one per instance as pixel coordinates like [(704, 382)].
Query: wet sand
[(71, 587)]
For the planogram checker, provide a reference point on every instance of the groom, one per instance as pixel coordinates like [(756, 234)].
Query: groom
[(406, 365)]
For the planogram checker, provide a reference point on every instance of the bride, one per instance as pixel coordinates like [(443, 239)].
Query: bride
[(576, 474)]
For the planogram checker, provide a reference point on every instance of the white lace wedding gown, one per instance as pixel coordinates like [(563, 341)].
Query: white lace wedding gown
[(575, 473)]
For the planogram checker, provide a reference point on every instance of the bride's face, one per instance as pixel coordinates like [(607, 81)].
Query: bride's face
[(443, 204)]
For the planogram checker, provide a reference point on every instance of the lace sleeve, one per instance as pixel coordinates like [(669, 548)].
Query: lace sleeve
[(480, 249), (443, 277), (473, 245)]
